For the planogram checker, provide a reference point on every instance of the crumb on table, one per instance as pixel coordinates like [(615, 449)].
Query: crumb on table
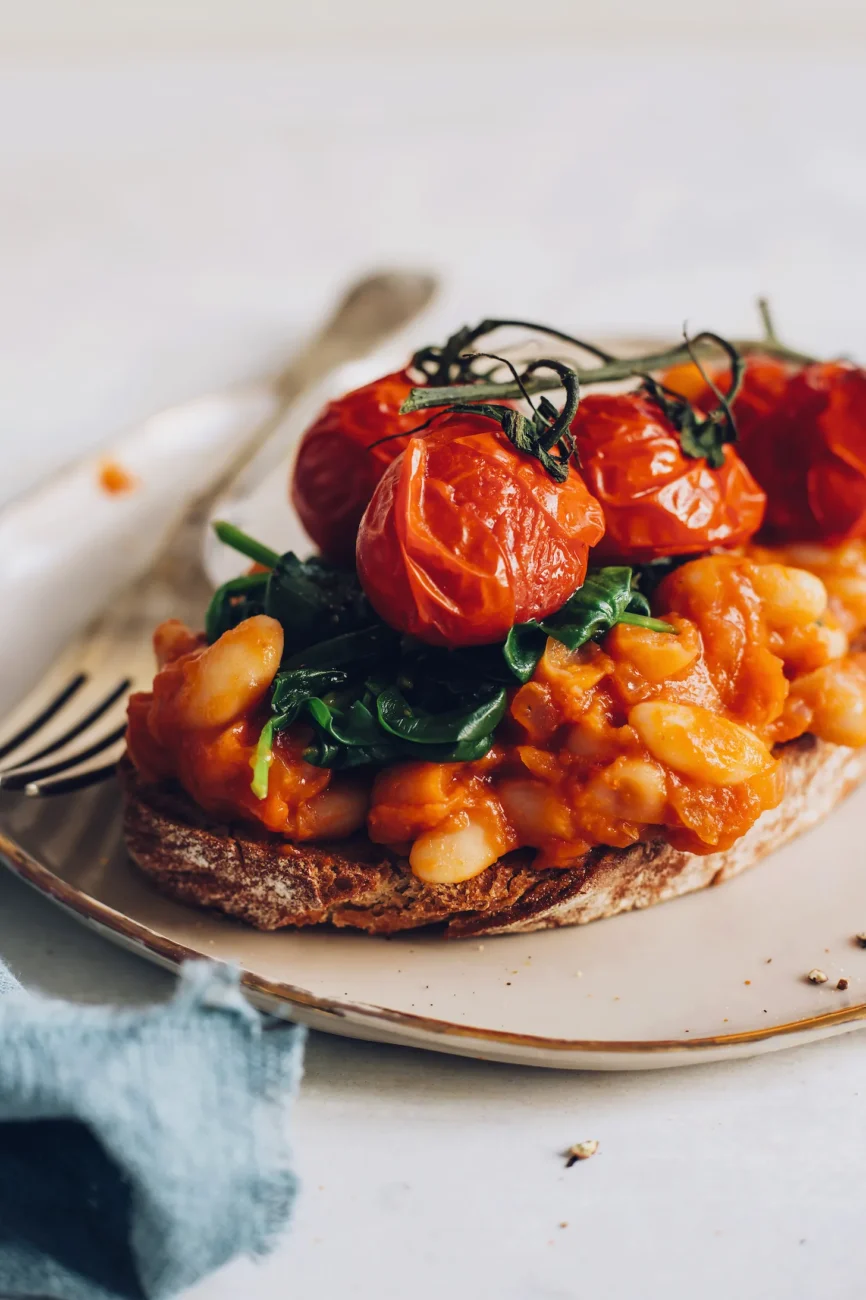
[(580, 1151)]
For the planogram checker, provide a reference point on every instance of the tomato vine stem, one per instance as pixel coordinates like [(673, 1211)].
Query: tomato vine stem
[(450, 363), (238, 540), (610, 371), (546, 434), (652, 624)]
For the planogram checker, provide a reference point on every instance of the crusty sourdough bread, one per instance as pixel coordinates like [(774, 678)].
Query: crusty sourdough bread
[(269, 882)]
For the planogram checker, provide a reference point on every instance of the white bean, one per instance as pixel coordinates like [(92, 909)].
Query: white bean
[(458, 849), (231, 676), (630, 789), (837, 695), (790, 597), (339, 810), (656, 655), (534, 811), (171, 640), (699, 744)]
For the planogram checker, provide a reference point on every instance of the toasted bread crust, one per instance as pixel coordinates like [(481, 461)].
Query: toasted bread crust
[(270, 882)]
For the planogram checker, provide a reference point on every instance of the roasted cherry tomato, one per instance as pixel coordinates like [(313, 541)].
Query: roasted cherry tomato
[(764, 381), (466, 536), (803, 435), (337, 469), (658, 501)]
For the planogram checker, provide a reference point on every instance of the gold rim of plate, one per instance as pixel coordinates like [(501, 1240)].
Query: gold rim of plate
[(173, 953)]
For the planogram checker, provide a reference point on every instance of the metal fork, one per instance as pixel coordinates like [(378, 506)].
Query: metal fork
[(69, 732)]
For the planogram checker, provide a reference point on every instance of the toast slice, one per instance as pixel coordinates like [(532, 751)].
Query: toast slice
[(270, 882)]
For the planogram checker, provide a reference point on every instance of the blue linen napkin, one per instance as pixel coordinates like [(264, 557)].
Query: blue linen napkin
[(141, 1149)]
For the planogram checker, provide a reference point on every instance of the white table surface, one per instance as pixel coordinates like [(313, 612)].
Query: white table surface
[(168, 225)]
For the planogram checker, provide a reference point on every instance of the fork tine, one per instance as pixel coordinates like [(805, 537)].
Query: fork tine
[(70, 784), (93, 715), (50, 710), (32, 776)]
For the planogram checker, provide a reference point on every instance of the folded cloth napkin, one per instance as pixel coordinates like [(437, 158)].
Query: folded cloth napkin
[(141, 1149)]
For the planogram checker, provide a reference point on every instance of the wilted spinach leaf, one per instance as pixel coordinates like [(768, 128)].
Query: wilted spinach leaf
[(234, 601), (315, 602), (523, 648), (354, 725), (293, 687), (606, 597), (355, 652), (458, 726), (594, 607)]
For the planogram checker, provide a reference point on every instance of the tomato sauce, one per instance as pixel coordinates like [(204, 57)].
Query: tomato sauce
[(645, 734)]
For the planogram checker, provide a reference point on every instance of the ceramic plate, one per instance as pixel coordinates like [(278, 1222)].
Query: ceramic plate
[(720, 973)]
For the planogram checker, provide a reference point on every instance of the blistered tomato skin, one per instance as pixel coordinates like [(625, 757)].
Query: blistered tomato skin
[(465, 536), (337, 468), (819, 426), (764, 383), (656, 500), (803, 435)]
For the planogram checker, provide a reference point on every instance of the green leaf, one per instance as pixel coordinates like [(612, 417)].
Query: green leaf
[(246, 545), (354, 736), (523, 648), (638, 604), (434, 678), (606, 597), (353, 650), (593, 608), (324, 752), (263, 758), (291, 692), (354, 726), (702, 437), (701, 440), (315, 602), (652, 624), (292, 688), (458, 726), (234, 601)]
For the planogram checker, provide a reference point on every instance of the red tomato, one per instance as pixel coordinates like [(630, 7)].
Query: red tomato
[(803, 435), (827, 405), (656, 500), (466, 536), (336, 469), (764, 382)]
